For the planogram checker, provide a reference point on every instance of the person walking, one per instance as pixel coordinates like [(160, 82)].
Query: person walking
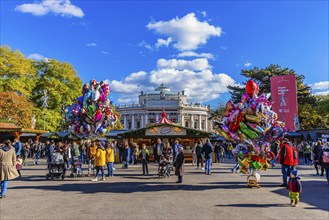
[(324, 160), (19, 165), (316, 153), (17, 146), (126, 155), (25, 153), (168, 152), (307, 152), (198, 151), (109, 158), (100, 160), (144, 154), (207, 151), (37, 152), (8, 169), (175, 148), (83, 152), (91, 153), (158, 150), (217, 152), (288, 158), (229, 149), (179, 165)]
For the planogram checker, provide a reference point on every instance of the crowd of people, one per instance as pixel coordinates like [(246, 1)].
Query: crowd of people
[(99, 156)]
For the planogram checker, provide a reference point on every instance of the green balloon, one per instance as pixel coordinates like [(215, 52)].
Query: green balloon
[(251, 134)]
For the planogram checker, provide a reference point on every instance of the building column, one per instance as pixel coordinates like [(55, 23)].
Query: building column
[(183, 121), (142, 120), (146, 119), (125, 122), (178, 118), (156, 117), (206, 123), (132, 121), (192, 121), (200, 122)]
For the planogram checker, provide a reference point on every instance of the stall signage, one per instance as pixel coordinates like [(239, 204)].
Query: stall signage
[(166, 130)]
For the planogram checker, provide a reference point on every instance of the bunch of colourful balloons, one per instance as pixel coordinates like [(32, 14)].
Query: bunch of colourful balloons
[(92, 113), (253, 125)]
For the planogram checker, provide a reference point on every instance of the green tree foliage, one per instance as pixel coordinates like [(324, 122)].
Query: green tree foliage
[(63, 86), (16, 108), (308, 117), (29, 78), (322, 109), (17, 73)]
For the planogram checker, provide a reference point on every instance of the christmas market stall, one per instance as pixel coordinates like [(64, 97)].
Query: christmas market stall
[(168, 132)]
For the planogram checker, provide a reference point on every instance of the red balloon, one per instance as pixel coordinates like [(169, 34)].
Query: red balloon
[(252, 88)]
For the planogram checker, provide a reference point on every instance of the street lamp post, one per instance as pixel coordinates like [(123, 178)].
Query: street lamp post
[(44, 98)]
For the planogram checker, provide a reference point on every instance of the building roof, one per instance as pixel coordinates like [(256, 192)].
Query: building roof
[(152, 131), (162, 89)]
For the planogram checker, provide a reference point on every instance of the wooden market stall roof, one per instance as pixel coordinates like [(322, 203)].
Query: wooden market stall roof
[(165, 131), (6, 127)]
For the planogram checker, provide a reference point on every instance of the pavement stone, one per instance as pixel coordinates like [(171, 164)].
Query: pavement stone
[(129, 195)]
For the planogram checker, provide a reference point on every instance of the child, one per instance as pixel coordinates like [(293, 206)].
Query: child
[(19, 165), (294, 187)]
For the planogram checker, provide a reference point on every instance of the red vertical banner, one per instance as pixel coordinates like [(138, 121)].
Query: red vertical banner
[(284, 95)]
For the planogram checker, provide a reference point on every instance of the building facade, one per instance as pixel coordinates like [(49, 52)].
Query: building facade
[(151, 105)]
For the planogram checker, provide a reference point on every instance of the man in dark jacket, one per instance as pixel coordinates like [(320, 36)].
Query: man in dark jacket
[(207, 151), (179, 165), (316, 152), (158, 150)]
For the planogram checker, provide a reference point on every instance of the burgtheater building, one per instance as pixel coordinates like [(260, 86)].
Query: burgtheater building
[(151, 105)]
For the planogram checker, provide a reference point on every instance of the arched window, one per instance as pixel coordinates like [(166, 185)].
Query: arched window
[(186, 124), (138, 124)]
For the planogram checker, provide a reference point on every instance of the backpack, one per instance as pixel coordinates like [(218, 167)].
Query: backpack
[(325, 157)]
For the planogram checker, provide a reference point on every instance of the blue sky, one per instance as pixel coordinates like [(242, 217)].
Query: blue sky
[(196, 46)]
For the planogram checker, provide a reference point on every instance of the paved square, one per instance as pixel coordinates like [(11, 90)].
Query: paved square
[(128, 195)]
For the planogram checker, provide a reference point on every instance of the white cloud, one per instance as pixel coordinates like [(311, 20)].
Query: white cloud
[(322, 93), (194, 54), (200, 84), (194, 65), (187, 32), (104, 52), (146, 45), (162, 42), (320, 85), (92, 44), (204, 13), (57, 7), (38, 57), (247, 64)]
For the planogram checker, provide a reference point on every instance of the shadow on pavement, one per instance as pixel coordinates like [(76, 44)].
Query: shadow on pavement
[(127, 187), (255, 205), (314, 193)]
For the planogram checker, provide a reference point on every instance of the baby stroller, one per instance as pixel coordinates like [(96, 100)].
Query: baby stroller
[(56, 168), (77, 168), (164, 169)]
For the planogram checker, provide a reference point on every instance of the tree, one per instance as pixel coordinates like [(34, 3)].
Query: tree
[(16, 108), (322, 109), (306, 101), (63, 86), (17, 73), (262, 78)]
